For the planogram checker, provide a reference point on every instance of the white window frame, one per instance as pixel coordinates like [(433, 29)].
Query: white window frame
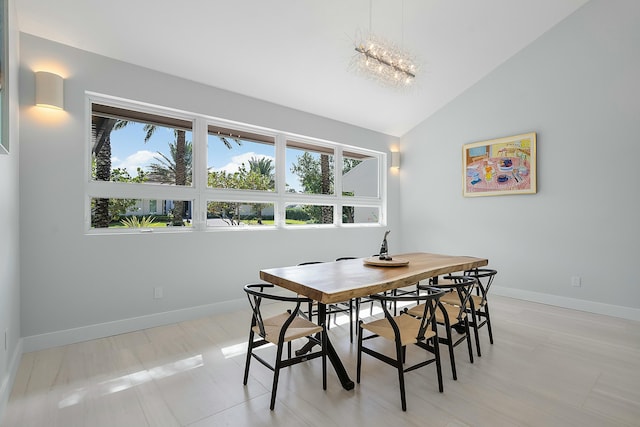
[(200, 194)]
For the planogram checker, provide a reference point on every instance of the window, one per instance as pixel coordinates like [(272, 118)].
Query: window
[(240, 160), (360, 214), (360, 175), (309, 214), (155, 169), (312, 168), (239, 214)]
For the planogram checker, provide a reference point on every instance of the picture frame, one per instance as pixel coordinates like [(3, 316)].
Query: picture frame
[(501, 166)]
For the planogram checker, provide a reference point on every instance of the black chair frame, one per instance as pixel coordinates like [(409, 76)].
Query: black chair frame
[(480, 315), (256, 294), (463, 286), (431, 345)]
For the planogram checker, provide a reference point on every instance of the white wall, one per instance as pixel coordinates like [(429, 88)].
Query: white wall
[(578, 87), (77, 287), (9, 227)]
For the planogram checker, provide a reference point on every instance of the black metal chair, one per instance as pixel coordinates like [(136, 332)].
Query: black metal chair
[(479, 305), (332, 309), (280, 329), (403, 330), (449, 315)]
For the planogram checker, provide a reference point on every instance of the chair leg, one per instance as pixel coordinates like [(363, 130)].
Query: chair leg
[(359, 362), (357, 319), (394, 303), (486, 313), (248, 361), (452, 357), (468, 333), (351, 320), (436, 352), (400, 354), (474, 323), (323, 339), (276, 375)]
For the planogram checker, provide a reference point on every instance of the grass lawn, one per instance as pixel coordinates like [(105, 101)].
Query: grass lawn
[(250, 222)]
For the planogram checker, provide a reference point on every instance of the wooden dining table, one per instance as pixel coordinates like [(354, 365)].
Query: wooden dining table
[(338, 281)]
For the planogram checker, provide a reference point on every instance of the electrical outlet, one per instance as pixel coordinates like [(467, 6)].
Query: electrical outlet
[(576, 281), (157, 292)]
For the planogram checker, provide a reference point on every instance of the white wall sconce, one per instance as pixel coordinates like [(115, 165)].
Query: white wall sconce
[(395, 159), (49, 90)]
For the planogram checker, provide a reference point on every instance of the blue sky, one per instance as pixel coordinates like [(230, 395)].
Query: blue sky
[(128, 150)]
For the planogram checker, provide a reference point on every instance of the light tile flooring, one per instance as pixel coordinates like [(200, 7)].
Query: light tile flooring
[(548, 367)]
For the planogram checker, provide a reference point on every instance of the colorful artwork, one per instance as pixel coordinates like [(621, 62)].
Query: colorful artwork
[(500, 166)]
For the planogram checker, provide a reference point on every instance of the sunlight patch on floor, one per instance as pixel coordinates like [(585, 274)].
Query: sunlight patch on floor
[(125, 382)]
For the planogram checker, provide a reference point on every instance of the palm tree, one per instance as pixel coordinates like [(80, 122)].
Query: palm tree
[(263, 166), (179, 166), (101, 134), (165, 170), (325, 188)]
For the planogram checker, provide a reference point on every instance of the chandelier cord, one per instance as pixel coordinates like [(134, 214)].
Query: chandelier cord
[(402, 26)]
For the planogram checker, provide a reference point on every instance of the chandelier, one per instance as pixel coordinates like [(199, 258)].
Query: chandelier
[(383, 61)]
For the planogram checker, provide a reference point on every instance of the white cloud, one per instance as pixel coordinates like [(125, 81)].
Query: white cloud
[(236, 161), (140, 159)]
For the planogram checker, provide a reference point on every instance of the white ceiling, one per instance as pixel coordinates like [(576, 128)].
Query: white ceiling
[(297, 53)]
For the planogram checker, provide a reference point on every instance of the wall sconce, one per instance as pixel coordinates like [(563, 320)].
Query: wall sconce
[(49, 90), (395, 159)]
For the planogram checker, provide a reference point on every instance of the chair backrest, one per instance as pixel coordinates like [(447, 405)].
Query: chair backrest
[(485, 275), (344, 258), (463, 285), (256, 294), (429, 300), (310, 262)]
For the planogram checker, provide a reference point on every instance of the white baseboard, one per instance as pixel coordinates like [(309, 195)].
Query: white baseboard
[(6, 384), (576, 304), (85, 333)]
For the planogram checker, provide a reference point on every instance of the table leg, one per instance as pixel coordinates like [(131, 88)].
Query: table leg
[(343, 376)]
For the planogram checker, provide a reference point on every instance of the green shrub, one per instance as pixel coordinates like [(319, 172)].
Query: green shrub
[(297, 214)]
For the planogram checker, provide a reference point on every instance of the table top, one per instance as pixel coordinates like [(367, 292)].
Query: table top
[(331, 282)]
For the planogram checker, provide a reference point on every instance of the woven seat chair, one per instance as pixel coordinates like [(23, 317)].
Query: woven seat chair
[(403, 330), (479, 305), (449, 315), (280, 329)]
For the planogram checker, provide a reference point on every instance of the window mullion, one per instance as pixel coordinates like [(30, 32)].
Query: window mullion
[(200, 172), (337, 186), (281, 180)]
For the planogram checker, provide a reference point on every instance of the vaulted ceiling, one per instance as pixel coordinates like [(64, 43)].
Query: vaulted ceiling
[(298, 53)]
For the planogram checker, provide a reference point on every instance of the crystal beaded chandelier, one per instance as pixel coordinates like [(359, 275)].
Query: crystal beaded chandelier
[(384, 61)]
